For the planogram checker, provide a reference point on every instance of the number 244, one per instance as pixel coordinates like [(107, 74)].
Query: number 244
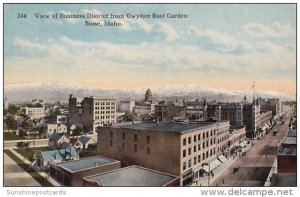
[(21, 15)]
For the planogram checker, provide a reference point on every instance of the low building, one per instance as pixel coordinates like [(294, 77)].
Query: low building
[(175, 148), (56, 128), (34, 112), (56, 139), (61, 119), (287, 153), (237, 136), (71, 173), (132, 176), (285, 165), (44, 158), (82, 142)]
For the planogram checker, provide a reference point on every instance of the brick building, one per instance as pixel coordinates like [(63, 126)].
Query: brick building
[(175, 148)]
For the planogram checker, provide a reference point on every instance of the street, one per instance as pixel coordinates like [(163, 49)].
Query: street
[(14, 175), (255, 166)]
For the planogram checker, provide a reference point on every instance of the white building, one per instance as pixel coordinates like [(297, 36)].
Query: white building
[(57, 128), (92, 112), (34, 112)]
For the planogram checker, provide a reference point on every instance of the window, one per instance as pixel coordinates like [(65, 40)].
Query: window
[(206, 143), (190, 140), (207, 134), (195, 138), (203, 156), (184, 165), (203, 136), (203, 145), (148, 139), (211, 132), (135, 148), (199, 158), (135, 137), (189, 151), (184, 153), (211, 152), (195, 160), (195, 148), (184, 142), (123, 136), (190, 163), (199, 137), (148, 150), (199, 146)]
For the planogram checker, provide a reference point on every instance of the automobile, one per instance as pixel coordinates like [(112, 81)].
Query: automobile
[(275, 131)]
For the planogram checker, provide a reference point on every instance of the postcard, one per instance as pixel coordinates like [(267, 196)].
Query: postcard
[(150, 95)]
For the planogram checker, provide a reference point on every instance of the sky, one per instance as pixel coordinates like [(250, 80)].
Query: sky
[(217, 46)]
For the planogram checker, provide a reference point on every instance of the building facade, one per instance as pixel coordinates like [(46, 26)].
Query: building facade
[(91, 112), (175, 148)]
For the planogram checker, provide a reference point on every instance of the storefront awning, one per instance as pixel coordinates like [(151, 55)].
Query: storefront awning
[(222, 158), (215, 163)]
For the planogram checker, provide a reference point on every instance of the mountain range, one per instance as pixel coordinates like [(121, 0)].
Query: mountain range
[(54, 91)]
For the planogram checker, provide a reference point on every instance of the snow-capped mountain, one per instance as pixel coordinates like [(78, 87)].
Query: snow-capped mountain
[(54, 90)]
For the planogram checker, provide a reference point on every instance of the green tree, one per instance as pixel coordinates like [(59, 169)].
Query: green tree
[(13, 109), (11, 123)]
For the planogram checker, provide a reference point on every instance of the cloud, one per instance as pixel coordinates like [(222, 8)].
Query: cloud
[(227, 42), (159, 57), (169, 32), (276, 30)]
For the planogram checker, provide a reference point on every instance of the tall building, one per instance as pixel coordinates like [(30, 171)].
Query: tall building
[(91, 112), (270, 104), (148, 95), (169, 111), (239, 114), (175, 148)]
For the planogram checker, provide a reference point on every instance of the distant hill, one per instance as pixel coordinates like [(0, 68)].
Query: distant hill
[(53, 91)]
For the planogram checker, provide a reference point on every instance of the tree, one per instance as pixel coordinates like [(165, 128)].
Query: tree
[(13, 109), (11, 123)]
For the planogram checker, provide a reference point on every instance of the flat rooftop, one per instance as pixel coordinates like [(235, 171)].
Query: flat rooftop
[(290, 140), (284, 180), (287, 150), (132, 176), (86, 163), (292, 133), (170, 127)]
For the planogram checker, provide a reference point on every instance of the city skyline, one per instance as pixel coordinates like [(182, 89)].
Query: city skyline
[(217, 46)]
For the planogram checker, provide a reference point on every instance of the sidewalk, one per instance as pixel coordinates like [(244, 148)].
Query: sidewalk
[(218, 171), (51, 180)]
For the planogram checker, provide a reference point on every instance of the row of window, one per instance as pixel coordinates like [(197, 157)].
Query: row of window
[(197, 159), (198, 137), (104, 112), (204, 145), (135, 147), (104, 117), (112, 107), (105, 103)]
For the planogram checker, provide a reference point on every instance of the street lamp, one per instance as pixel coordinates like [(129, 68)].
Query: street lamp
[(207, 164)]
